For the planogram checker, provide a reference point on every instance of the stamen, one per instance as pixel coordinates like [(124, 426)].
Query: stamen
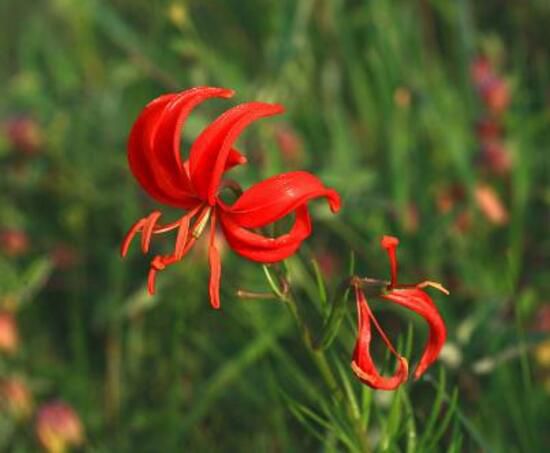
[(201, 223), (435, 285), (166, 228), (181, 238), (177, 223), (149, 226), (160, 262), (129, 236), (147, 231)]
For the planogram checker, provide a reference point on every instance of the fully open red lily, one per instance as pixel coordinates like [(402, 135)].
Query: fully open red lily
[(412, 297), (194, 185)]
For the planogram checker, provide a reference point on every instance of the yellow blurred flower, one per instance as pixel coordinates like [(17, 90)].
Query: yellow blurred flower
[(542, 354), (177, 13)]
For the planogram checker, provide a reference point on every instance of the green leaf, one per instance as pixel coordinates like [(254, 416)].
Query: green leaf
[(230, 370), (393, 421), (338, 311), (321, 287), (33, 279)]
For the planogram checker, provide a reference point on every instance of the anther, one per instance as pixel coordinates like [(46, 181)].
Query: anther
[(201, 223), (158, 263)]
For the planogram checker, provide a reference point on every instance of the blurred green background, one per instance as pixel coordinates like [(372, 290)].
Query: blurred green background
[(430, 117)]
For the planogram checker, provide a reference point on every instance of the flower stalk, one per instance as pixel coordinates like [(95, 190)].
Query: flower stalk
[(283, 291)]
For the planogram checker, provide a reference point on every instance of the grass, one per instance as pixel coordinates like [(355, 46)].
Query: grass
[(380, 104)]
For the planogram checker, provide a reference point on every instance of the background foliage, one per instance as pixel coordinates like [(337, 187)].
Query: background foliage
[(381, 104)]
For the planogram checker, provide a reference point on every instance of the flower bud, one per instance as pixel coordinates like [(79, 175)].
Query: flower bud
[(13, 242), (15, 398), (495, 95), (9, 336), (448, 197), (463, 222), (488, 130), (542, 319), (64, 256), (24, 134), (490, 204), (496, 158), (58, 427), (481, 70)]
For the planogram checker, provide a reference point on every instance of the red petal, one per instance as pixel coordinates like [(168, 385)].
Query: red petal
[(363, 365), (139, 139), (418, 301), (276, 197), (210, 151), (234, 158), (215, 266), (154, 145), (263, 249)]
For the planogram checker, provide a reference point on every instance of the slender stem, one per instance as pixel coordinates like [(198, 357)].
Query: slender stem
[(318, 356), (244, 294), (273, 284)]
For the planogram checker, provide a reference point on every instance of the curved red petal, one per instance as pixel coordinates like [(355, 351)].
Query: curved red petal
[(139, 139), (363, 365), (276, 197), (210, 151), (168, 137), (420, 302), (233, 159), (259, 248), (154, 145)]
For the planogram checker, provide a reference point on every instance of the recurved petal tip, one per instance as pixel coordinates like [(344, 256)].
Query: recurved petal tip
[(376, 381), (334, 200), (218, 91)]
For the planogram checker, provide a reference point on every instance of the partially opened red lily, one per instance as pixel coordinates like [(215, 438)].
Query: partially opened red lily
[(412, 297), (194, 185)]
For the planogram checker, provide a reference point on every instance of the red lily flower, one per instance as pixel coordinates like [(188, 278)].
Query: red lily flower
[(412, 297), (195, 184)]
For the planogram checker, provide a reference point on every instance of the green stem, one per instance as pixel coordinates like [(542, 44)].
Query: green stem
[(317, 355)]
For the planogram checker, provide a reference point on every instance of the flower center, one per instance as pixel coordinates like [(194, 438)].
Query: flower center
[(201, 222)]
